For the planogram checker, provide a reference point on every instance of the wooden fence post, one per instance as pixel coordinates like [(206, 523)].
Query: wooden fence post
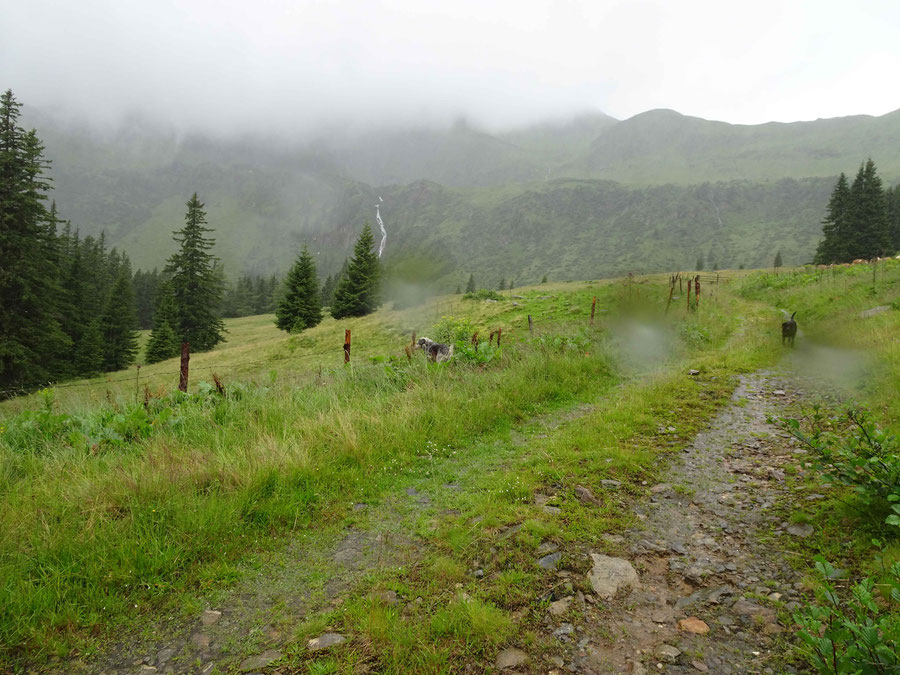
[(690, 288), (137, 383), (671, 291), (697, 292), (347, 346), (593, 307), (530, 326), (499, 333), (185, 365), (475, 340)]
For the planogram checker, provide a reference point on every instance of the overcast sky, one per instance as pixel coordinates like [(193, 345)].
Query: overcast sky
[(276, 65)]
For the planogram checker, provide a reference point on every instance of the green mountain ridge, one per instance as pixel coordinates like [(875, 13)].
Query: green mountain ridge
[(584, 198)]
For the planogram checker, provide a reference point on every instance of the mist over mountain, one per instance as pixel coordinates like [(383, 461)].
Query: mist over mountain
[(589, 196)]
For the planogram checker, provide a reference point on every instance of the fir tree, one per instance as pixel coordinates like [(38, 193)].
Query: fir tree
[(834, 246), (88, 352), (892, 202), (458, 290), (196, 282), (544, 279), (700, 262), (119, 323), (777, 263), (502, 285), (470, 287), (164, 342), (32, 344), (869, 230), (301, 303), (358, 292)]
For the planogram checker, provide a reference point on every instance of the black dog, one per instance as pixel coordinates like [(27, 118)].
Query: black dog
[(789, 330)]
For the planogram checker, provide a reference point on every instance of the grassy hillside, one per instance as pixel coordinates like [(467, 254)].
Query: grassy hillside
[(116, 511)]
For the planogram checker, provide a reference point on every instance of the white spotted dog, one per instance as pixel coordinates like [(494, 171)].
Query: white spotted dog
[(435, 351)]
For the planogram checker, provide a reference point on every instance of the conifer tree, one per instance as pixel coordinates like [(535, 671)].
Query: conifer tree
[(777, 263), (359, 292), (835, 228), (892, 200), (502, 285), (164, 342), (32, 344), (196, 282), (470, 287), (700, 262), (869, 231), (458, 290), (88, 352), (544, 279), (119, 323), (301, 303)]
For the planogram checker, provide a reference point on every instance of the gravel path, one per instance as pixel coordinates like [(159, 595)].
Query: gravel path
[(710, 574)]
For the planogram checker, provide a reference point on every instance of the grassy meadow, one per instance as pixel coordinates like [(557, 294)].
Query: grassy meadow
[(118, 504)]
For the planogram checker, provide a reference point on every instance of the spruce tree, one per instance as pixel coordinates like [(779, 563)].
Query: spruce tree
[(835, 228), (502, 285), (119, 324), (470, 287), (164, 342), (196, 282), (544, 279), (89, 351), (892, 200), (700, 262), (777, 263), (359, 292), (32, 344), (870, 234), (301, 302)]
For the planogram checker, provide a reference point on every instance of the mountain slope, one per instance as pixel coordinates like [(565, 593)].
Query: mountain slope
[(663, 146)]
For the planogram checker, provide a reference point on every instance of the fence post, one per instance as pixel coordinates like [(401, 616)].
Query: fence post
[(690, 288), (671, 291), (593, 307), (185, 365), (475, 340), (499, 333), (530, 325), (137, 383), (697, 292), (347, 346)]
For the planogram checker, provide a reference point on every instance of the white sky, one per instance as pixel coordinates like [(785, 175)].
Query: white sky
[(226, 65)]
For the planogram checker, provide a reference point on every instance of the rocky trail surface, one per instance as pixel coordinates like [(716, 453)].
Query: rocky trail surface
[(696, 587)]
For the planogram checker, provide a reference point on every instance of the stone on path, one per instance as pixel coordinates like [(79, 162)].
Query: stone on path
[(668, 653), (585, 495), (325, 641), (693, 625), (560, 607), (747, 608), (799, 530), (389, 597), (511, 658), (260, 660), (163, 655), (549, 562), (610, 574), (209, 617), (699, 665), (874, 311), (200, 640)]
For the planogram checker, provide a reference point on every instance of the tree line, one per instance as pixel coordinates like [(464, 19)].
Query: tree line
[(862, 220), (66, 303)]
